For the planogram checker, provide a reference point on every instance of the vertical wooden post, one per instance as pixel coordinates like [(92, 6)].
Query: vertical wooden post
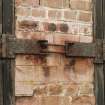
[(0, 16), (99, 66), (1, 85), (8, 64), (8, 16), (8, 81)]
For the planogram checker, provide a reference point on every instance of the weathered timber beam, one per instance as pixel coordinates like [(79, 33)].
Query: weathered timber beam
[(20, 46), (80, 50), (13, 46)]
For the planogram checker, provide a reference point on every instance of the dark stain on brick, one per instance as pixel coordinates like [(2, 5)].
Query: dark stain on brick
[(72, 62), (43, 59), (46, 71), (52, 27), (70, 66), (28, 24), (64, 27)]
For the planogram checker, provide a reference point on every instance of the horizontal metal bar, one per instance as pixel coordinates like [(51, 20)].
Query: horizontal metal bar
[(80, 50)]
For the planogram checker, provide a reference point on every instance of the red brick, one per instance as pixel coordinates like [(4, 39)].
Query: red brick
[(86, 17), (55, 89), (36, 12), (54, 14), (52, 100), (40, 90), (57, 49), (55, 3), (85, 29), (53, 60), (83, 66), (70, 15), (18, 2), (28, 101), (45, 74), (71, 90), (28, 35), (27, 2), (21, 11), (84, 100), (28, 25), (60, 39), (48, 37), (27, 60), (86, 39), (81, 4)]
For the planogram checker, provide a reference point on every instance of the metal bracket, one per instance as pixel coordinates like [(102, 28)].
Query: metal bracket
[(10, 46)]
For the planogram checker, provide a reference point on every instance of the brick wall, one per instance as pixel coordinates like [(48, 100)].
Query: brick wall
[(54, 79)]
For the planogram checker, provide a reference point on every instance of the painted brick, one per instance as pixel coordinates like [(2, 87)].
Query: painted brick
[(55, 3)]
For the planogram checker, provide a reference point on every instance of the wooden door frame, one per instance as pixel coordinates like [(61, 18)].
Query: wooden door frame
[(7, 62)]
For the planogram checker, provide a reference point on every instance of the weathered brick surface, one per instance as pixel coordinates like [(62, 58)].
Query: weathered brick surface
[(55, 14), (81, 4), (38, 12), (56, 100), (54, 79), (70, 14), (87, 17), (27, 2), (55, 3), (47, 70)]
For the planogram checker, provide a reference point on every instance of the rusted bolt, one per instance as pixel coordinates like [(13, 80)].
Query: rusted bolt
[(64, 27), (52, 27)]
